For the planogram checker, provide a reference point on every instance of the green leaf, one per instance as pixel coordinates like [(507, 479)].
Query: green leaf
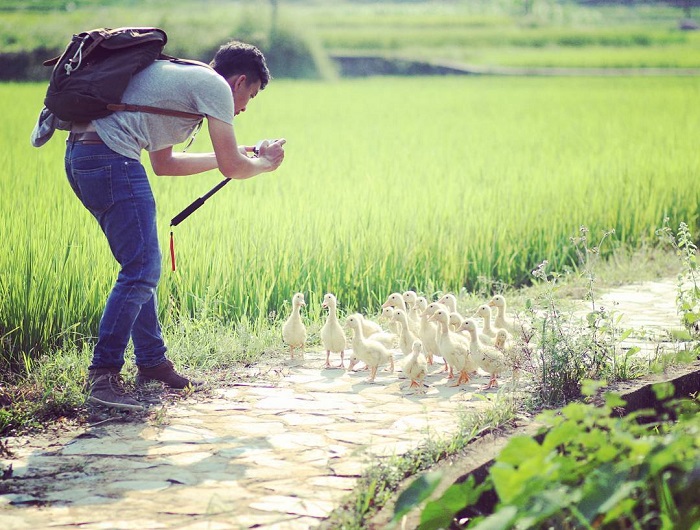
[(560, 435), (663, 390), (503, 519), (419, 490), (589, 386), (613, 400), (518, 449), (440, 512), (625, 334)]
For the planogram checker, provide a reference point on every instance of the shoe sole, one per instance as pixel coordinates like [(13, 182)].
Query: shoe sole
[(123, 406)]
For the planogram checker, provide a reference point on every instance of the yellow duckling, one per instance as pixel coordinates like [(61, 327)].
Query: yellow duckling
[(372, 353), (450, 301), (415, 366), (388, 316), (427, 333), (412, 308), (396, 300), (454, 348), (484, 312), (512, 352), (371, 329), (406, 336), (429, 312), (491, 360), (332, 334), (293, 330), (512, 326)]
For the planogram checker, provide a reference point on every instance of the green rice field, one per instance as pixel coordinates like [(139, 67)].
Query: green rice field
[(435, 184)]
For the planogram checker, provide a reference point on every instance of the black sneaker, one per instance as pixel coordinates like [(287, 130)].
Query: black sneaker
[(105, 387)]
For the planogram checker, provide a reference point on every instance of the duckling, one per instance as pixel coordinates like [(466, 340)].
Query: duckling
[(455, 320), (430, 311), (420, 305), (406, 336), (415, 366), (454, 348), (491, 360), (450, 301), (397, 301), (484, 312), (411, 299), (371, 329), (428, 336), (512, 352), (332, 335), (388, 316), (293, 330), (372, 353), (502, 321)]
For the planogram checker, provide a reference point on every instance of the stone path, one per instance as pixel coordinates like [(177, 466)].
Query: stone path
[(252, 456)]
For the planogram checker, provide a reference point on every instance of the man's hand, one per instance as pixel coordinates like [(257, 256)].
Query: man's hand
[(272, 152)]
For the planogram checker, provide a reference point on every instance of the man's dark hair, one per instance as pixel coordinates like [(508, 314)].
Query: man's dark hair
[(235, 58)]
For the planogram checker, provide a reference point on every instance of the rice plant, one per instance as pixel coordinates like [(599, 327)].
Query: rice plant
[(423, 183)]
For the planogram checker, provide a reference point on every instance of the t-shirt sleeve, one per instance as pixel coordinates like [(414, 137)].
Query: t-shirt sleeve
[(213, 96)]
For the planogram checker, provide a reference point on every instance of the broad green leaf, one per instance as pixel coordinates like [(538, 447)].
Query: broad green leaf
[(440, 512), (613, 400), (589, 386), (419, 490), (518, 449), (561, 435), (503, 519), (663, 391)]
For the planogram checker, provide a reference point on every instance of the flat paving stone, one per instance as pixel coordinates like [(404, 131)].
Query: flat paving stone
[(279, 456)]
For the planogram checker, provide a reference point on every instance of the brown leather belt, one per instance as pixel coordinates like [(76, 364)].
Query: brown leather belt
[(89, 137)]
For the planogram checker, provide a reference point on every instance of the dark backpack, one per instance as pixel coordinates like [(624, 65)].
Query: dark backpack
[(90, 77)]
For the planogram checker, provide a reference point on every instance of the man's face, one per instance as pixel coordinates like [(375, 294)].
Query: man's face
[(243, 92)]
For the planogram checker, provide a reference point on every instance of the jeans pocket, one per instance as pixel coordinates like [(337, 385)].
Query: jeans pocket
[(95, 188)]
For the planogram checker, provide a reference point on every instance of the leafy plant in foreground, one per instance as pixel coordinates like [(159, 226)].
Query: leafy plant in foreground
[(591, 470)]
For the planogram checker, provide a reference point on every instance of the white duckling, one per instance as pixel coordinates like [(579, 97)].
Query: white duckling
[(512, 353), (484, 312), (388, 316), (454, 348), (371, 329), (491, 360), (372, 353), (420, 305), (332, 334), (455, 320), (429, 312), (450, 301), (397, 301), (427, 333), (294, 330), (411, 299), (512, 326), (406, 336), (415, 366)]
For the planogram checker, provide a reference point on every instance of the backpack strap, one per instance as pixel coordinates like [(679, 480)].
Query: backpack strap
[(117, 107)]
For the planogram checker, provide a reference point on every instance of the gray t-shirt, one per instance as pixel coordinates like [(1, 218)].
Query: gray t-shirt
[(167, 85)]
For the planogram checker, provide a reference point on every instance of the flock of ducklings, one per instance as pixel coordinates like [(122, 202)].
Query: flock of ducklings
[(421, 331)]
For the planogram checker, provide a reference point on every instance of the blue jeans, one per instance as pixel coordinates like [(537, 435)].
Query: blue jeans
[(116, 191)]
